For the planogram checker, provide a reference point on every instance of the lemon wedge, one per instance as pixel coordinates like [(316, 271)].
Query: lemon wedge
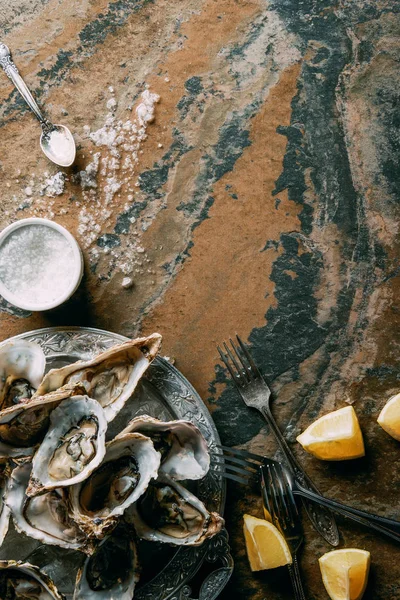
[(266, 547), (345, 573), (389, 417), (335, 436)]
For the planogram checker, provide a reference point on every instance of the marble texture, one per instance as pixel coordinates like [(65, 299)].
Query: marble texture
[(264, 202)]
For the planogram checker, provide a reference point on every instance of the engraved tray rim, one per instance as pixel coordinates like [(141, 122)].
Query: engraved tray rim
[(186, 561)]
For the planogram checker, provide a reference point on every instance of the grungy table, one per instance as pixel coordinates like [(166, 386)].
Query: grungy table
[(262, 199)]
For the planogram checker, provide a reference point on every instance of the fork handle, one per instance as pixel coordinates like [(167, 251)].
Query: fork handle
[(295, 577), (321, 518), (388, 527)]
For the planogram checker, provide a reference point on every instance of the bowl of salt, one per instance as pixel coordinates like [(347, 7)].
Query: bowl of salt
[(41, 264)]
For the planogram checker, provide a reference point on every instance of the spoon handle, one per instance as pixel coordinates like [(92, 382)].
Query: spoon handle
[(12, 72)]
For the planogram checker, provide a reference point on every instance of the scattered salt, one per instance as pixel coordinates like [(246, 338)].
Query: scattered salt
[(36, 264), (145, 110), (112, 104), (88, 177), (54, 186), (104, 181)]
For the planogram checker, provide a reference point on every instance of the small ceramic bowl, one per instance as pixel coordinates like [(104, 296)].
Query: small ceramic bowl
[(76, 267)]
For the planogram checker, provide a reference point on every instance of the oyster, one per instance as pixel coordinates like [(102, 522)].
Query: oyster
[(112, 572), (24, 425), (73, 447), (44, 517), (184, 452), (22, 366), (111, 377), (167, 512), (23, 581), (4, 510), (123, 476)]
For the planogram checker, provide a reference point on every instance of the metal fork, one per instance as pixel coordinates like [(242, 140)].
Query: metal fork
[(283, 509), (256, 394), (244, 467)]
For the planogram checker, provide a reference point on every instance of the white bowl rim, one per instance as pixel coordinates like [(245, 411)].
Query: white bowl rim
[(78, 260)]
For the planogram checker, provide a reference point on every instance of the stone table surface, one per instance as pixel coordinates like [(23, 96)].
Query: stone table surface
[(262, 199)]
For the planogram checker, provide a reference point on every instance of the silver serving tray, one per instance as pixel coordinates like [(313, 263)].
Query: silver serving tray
[(163, 393)]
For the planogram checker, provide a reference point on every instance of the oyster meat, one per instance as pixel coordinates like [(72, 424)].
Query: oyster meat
[(129, 464), (4, 510), (112, 572), (24, 425), (73, 447), (44, 517), (111, 377), (23, 581), (184, 451), (167, 512), (22, 366)]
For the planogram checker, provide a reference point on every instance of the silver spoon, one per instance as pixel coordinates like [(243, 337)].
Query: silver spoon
[(56, 141)]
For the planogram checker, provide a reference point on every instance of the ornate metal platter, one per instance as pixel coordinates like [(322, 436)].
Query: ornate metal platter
[(163, 393)]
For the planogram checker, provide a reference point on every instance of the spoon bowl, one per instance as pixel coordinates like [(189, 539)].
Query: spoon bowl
[(58, 145)]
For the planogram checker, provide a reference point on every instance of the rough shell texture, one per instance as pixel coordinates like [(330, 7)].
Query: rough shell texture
[(117, 582), (44, 517), (20, 360), (183, 518), (112, 376), (4, 510), (24, 425), (184, 451), (73, 447), (129, 464), (13, 572)]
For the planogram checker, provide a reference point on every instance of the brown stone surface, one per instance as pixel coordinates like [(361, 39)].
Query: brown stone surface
[(264, 202)]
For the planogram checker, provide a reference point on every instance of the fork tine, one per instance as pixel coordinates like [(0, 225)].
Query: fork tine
[(238, 477), (237, 461), (240, 374), (283, 512), (269, 493), (264, 491), (243, 453), (228, 366), (248, 356), (245, 368), (279, 517), (287, 491), (235, 469), (232, 477)]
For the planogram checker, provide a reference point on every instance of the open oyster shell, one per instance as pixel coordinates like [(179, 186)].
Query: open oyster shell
[(24, 425), (44, 517), (184, 451), (73, 446), (5, 471), (167, 512), (112, 572), (22, 366), (23, 581), (111, 377), (129, 464)]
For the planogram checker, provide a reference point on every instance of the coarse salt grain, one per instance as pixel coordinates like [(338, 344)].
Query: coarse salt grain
[(36, 264), (127, 282)]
